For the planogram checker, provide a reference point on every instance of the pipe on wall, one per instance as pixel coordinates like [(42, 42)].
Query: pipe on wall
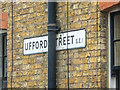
[(52, 29)]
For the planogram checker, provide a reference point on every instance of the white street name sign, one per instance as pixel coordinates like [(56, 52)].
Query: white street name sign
[(65, 40)]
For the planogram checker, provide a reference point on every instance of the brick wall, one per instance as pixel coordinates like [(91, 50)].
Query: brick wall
[(88, 66)]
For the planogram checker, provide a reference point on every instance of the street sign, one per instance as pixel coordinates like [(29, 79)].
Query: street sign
[(64, 40)]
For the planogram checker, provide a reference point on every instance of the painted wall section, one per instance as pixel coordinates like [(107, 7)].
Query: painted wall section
[(3, 20)]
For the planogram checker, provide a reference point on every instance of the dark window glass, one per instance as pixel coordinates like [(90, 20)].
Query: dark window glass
[(4, 61), (116, 27), (117, 53), (116, 40)]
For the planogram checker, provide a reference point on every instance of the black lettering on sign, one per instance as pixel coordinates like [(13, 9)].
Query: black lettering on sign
[(37, 45), (72, 38), (68, 39), (60, 40), (29, 45), (80, 40), (26, 46), (64, 40), (33, 44), (41, 44), (76, 41), (45, 43)]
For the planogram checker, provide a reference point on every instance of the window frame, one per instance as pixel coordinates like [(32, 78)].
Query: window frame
[(3, 57), (113, 68)]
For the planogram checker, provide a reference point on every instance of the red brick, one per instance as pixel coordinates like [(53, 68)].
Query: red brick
[(4, 16), (3, 24)]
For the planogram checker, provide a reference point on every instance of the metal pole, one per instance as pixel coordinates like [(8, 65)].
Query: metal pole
[(52, 29)]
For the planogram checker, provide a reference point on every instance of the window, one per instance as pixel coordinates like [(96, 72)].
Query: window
[(115, 46), (115, 40), (3, 60)]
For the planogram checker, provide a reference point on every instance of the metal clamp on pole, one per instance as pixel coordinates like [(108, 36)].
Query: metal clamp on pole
[(53, 27)]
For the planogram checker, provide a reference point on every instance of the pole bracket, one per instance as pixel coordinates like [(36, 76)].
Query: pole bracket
[(53, 27)]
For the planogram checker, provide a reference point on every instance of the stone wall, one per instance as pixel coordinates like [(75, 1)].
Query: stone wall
[(88, 67)]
